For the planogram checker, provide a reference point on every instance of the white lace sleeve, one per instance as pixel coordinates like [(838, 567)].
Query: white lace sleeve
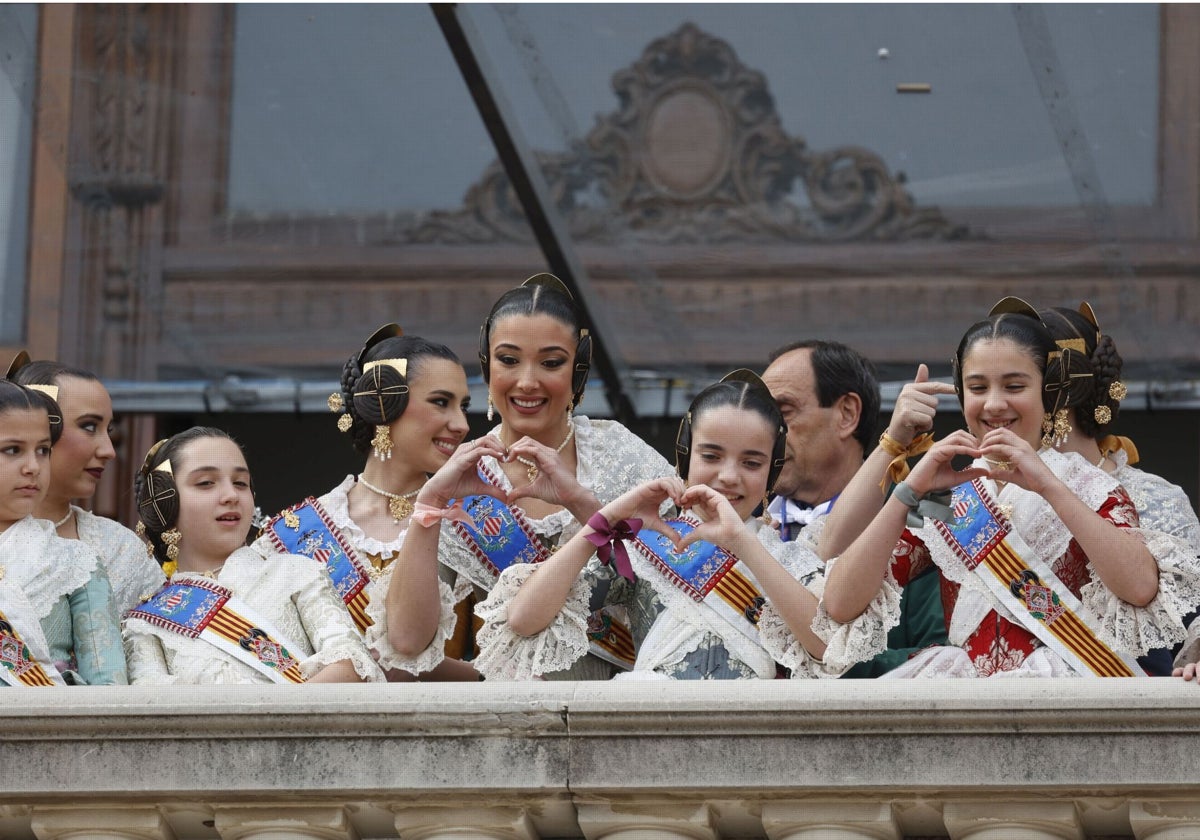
[(864, 637), (377, 633), (147, 661), (504, 655), (331, 631), (1159, 624)]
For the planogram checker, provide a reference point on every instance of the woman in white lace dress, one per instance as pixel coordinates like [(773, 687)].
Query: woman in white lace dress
[(1044, 568), (81, 456), (732, 597), (229, 613), (416, 391), (559, 470), (58, 623)]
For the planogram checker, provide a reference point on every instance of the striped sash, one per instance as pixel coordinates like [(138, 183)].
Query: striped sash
[(20, 667), (307, 529), (982, 538), (200, 609), (708, 574)]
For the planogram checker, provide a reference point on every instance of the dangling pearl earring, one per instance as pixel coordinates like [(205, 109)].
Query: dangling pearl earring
[(491, 409)]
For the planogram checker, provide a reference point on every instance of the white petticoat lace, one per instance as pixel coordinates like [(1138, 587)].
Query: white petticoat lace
[(505, 655), (866, 636), (943, 662), (377, 633)]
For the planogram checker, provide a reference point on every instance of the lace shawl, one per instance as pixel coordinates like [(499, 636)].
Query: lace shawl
[(46, 566), (291, 591), (133, 573)]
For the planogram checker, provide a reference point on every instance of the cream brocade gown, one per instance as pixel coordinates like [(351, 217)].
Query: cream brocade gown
[(291, 591)]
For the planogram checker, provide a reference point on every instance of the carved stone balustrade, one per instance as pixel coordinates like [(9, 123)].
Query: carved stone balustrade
[(883, 760)]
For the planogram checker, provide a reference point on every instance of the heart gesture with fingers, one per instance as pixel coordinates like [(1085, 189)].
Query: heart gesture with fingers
[(644, 502), (549, 478), (936, 472), (720, 523), (1011, 459), (459, 476)]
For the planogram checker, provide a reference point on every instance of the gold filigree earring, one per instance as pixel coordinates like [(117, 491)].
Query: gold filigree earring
[(491, 409), (171, 537), (1047, 430), (1062, 429), (382, 443)]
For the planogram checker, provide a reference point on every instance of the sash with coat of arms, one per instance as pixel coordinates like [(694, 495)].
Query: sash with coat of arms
[(982, 538), (706, 573), (201, 609), (307, 529), (24, 650), (499, 537)]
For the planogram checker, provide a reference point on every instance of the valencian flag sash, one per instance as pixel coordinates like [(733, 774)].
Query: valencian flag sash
[(706, 573), (307, 529), (499, 536), (201, 609), (983, 539), (24, 651)]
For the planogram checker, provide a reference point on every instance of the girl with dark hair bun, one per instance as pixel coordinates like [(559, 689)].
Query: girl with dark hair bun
[(729, 597), (1161, 506), (81, 457), (229, 613), (534, 480), (58, 623), (403, 403), (1044, 571)]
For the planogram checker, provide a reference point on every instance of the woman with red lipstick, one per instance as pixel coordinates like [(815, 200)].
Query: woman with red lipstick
[(58, 623), (403, 403), (1044, 569), (229, 613), (527, 487), (80, 457), (730, 596)]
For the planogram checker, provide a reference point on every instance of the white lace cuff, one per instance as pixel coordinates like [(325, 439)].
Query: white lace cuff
[(781, 643), (1191, 647), (862, 638), (431, 656), (363, 664), (504, 655), (1159, 624)]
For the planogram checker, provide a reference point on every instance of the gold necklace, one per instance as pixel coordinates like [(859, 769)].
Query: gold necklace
[(531, 468), (400, 505)]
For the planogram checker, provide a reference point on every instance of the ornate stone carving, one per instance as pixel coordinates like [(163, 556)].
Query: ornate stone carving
[(695, 152)]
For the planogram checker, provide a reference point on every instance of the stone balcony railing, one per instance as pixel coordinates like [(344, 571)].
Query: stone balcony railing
[(978, 760)]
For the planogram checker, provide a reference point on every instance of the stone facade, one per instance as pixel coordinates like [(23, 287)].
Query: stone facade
[(975, 760)]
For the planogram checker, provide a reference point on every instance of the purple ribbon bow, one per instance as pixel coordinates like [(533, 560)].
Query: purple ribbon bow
[(607, 537)]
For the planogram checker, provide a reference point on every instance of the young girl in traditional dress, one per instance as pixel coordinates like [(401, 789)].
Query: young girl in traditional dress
[(58, 623), (403, 402), (710, 571), (80, 457), (529, 485), (1044, 570), (229, 613)]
